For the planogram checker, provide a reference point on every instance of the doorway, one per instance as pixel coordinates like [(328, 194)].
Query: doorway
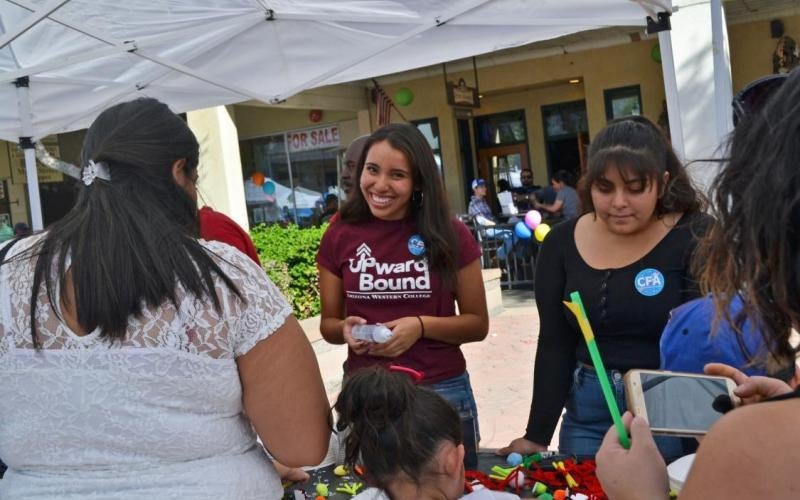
[(566, 137), (502, 162), (502, 150), (465, 153)]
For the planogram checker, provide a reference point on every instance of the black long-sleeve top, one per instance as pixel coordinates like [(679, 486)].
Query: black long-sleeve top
[(627, 324)]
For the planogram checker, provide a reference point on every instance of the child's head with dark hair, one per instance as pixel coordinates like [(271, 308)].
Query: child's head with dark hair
[(407, 437), (642, 154)]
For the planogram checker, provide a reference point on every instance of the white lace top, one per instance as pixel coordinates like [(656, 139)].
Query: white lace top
[(156, 415)]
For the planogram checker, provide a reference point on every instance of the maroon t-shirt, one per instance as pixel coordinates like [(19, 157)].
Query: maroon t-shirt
[(216, 226), (384, 279)]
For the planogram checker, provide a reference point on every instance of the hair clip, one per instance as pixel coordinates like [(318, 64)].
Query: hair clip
[(94, 170), (416, 376)]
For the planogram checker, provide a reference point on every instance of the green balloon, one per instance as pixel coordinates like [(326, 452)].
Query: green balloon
[(655, 53), (403, 97)]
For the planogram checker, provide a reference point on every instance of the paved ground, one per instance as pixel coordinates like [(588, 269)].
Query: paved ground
[(501, 368)]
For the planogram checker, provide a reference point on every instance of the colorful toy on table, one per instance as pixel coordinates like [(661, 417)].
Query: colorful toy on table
[(514, 459), (537, 457), (474, 479), (322, 489), (510, 476), (539, 489), (341, 471), (576, 307), (559, 466), (582, 473), (350, 488), (546, 473)]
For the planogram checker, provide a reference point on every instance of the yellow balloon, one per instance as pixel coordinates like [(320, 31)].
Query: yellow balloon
[(541, 231)]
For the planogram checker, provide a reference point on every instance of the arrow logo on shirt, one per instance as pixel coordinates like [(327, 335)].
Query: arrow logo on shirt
[(363, 251)]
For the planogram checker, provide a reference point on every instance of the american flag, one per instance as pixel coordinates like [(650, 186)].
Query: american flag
[(384, 106)]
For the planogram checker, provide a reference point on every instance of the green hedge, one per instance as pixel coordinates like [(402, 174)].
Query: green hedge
[(288, 254)]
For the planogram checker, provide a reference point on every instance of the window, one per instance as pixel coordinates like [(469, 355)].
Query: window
[(623, 101), (501, 129), (287, 176), (566, 119)]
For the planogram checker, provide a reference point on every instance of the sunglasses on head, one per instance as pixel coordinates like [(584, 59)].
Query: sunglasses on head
[(755, 95)]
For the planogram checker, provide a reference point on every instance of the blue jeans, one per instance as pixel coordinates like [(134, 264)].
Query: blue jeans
[(587, 418), (501, 234), (458, 392)]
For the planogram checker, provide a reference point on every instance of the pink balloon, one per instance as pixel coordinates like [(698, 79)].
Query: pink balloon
[(532, 219)]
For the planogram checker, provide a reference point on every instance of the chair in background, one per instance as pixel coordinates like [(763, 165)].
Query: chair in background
[(517, 269)]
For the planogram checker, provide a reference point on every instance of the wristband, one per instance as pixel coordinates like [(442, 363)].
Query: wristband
[(422, 327)]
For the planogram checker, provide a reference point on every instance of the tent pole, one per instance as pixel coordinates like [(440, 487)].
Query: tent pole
[(291, 177), (33, 186), (723, 92), (31, 21), (26, 143), (671, 91)]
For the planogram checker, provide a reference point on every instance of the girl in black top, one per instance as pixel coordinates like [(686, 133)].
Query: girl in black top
[(753, 250), (628, 255)]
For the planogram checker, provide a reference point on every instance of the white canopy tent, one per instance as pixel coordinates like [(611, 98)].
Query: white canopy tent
[(64, 61)]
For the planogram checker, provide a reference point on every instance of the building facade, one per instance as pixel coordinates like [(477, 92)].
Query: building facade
[(539, 108)]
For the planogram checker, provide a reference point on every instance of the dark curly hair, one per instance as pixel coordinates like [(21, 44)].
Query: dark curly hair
[(637, 148), (754, 247), (395, 427)]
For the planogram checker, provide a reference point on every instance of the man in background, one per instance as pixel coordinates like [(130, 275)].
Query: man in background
[(351, 157), (526, 195), (482, 214)]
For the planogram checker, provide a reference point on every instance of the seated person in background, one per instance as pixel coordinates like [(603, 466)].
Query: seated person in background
[(480, 211), (567, 202), (503, 186), (407, 438), (525, 195), (505, 201)]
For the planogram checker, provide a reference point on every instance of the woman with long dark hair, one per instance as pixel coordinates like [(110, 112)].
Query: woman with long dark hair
[(752, 253), (398, 257), (629, 256), (138, 360)]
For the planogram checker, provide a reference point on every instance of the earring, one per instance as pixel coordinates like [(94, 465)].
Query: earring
[(417, 198)]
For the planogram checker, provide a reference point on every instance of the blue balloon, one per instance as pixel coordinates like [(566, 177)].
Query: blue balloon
[(522, 231), (269, 187)]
